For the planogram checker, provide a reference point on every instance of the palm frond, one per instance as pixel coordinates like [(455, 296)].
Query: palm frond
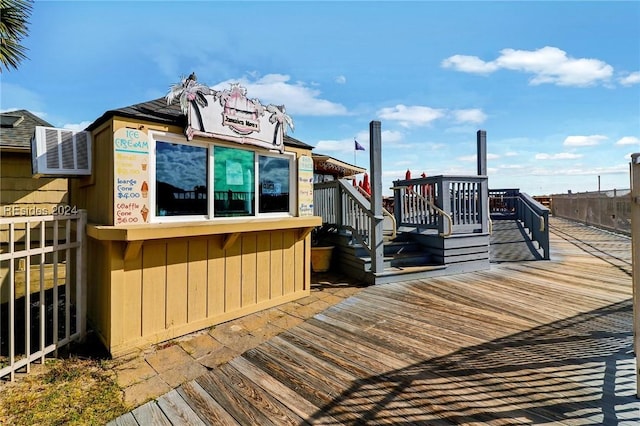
[(14, 20)]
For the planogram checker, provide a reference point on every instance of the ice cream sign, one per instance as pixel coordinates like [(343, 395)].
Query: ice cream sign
[(230, 114), (131, 177)]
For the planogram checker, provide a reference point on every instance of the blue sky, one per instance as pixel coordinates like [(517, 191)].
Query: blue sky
[(556, 85)]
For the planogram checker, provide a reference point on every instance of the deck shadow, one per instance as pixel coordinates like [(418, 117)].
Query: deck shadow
[(578, 370), (510, 242)]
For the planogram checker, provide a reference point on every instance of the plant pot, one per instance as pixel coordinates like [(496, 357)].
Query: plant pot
[(321, 258)]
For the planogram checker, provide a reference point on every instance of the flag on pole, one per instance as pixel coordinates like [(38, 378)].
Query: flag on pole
[(358, 147)]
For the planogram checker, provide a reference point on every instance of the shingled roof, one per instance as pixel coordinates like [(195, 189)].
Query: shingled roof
[(17, 129), (158, 111)]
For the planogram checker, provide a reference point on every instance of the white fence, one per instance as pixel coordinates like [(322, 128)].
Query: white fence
[(42, 287)]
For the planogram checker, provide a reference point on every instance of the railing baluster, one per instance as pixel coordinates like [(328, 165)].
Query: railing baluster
[(43, 306), (12, 296), (37, 254), (27, 296)]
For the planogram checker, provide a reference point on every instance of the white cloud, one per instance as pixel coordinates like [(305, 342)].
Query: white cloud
[(630, 79), (475, 116), (79, 126), (628, 140), (409, 116), (338, 146), (298, 98), (387, 136), (420, 115), (548, 65), (474, 157), (577, 171), (467, 158), (558, 156), (584, 140), (341, 79), (390, 136), (471, 64), (511, 154), (346, 145)]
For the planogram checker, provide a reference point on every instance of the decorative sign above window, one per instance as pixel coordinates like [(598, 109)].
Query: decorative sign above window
[(229, 114)]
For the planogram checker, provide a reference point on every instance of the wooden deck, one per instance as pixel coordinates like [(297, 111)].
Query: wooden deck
[(547, 342)]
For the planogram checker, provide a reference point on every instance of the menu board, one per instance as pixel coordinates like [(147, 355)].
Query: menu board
[(305, 186), (131, 177)]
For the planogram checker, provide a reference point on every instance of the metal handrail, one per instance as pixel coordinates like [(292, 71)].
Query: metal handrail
[(433, 206), (385, 212)]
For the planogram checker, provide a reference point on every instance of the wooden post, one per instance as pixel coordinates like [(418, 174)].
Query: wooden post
[(398, 203), (375, 162), (635, 256), (481, 139)]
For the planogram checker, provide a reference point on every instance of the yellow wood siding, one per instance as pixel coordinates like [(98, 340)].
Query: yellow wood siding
[(177, 278), (23, 195), (179, 285)]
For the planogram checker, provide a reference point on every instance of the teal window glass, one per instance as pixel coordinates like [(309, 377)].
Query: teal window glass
[(234, 182)]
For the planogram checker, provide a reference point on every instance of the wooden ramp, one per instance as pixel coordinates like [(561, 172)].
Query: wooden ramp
[(522, 343), (510, 242)]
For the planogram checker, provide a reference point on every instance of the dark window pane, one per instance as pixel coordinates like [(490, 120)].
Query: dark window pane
[(181, 179), (234, 182), (274, 176)]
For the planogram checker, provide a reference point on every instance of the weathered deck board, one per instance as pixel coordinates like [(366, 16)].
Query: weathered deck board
[(546, 342)]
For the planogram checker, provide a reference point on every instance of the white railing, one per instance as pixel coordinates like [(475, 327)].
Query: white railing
[(447, 204), (43, 287)]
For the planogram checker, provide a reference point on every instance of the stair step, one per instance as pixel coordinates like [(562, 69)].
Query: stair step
[(396, 274), (403, 270), (407, 259)]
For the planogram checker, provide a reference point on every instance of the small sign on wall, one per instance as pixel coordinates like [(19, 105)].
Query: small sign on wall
[(131, 177), (305, 186)]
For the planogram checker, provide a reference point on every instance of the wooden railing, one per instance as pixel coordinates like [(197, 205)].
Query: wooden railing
[(422, 209), (385, 212), (340, 204), (447, 204), (513, 204), (503, 201), (535, 217)]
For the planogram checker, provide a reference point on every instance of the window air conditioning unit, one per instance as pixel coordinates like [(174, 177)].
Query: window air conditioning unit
[(60, 152)]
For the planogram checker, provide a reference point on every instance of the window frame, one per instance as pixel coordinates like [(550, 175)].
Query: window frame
[(293, 193), (161, 136)]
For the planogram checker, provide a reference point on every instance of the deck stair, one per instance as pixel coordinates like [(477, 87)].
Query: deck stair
[(441, 227), (404, 259)]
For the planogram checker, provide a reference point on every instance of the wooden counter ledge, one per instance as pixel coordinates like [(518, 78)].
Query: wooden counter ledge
[(135, 235)]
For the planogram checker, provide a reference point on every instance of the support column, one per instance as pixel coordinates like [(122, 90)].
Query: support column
[(375, 162), (635, 256), (481, 138)]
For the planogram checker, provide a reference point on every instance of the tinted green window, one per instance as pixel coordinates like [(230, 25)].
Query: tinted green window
[(234, 182)]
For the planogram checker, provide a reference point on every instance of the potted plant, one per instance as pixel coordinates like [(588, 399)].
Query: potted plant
[(321, 250)]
